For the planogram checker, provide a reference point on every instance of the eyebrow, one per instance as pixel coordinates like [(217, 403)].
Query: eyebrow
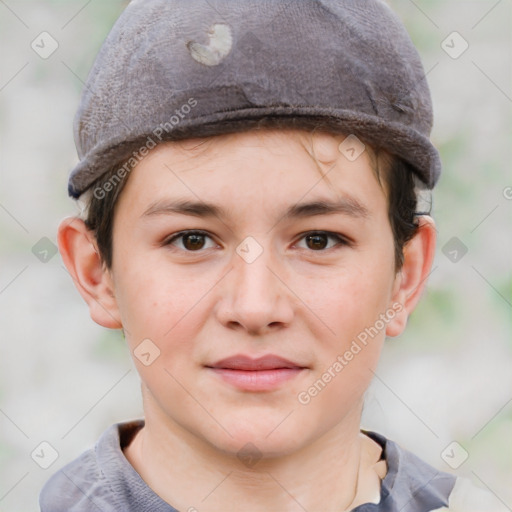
[(346, 205)]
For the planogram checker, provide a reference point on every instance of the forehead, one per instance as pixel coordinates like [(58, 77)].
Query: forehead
[(258, 169), (322, 147)]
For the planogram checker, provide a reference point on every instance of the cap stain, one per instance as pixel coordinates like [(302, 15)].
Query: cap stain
[(217, 49)]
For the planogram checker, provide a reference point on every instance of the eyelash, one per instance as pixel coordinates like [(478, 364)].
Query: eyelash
[(341, 241)]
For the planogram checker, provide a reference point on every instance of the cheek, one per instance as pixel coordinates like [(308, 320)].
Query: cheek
[(158, 307), (158, 304), (351, 305), (350, 300)]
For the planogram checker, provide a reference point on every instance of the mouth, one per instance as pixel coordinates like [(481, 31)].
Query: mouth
[(262, 374)]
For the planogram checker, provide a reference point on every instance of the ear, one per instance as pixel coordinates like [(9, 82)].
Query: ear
[(411, 280), (93, 280)]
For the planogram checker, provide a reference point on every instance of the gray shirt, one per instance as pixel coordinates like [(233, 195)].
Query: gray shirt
[(102, 480)]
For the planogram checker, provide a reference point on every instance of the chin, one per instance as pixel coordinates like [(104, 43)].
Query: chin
[(251, 448), (258, 436)]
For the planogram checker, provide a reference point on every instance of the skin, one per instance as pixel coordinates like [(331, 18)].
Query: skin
[(298, 300)]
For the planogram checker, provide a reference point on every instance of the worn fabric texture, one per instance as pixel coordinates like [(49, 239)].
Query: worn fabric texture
[(102, 479), (173, 69)]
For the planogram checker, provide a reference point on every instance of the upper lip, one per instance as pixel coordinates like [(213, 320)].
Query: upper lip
[(243, 362)]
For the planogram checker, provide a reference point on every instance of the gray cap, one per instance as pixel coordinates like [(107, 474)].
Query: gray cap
[(172, 69)]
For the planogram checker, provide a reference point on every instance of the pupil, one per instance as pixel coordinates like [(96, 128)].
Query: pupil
[(196, 241), (318, 240)]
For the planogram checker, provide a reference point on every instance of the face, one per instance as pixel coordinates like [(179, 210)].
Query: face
[(260, 290)]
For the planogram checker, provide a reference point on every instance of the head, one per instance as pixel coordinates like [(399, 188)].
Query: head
[(262, 275), (247, 229)]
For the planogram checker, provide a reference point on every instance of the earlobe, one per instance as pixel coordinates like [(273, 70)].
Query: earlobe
[(411, 280), (93, 281)]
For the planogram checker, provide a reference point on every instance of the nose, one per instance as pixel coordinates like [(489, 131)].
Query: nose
[(256, 297)]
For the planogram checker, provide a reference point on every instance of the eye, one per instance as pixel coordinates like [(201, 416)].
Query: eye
[(192, 241), (319, 240)]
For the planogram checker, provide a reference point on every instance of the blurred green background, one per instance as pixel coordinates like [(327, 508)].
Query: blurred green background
[(63, 379)]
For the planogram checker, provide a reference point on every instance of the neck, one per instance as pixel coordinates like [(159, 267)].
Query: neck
[(189, 473)]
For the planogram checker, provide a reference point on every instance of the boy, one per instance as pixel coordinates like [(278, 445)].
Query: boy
[(249, 173)]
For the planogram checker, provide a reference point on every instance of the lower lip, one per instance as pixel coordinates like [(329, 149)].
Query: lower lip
[(257, 380)]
